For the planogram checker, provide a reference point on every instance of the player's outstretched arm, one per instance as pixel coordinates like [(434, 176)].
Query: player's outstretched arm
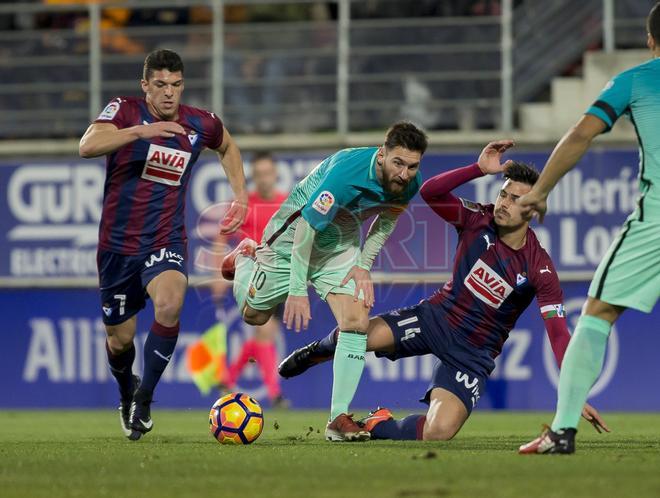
[(105, 138), (232, 163), (490, 159), (564, 157)]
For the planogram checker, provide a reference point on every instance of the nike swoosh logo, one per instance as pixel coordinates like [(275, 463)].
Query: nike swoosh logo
[(158, 353), (147, 424)]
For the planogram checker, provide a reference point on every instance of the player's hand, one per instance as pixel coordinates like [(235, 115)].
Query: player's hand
[(296, 313), (490, 157), (163, 129), (234, 217), (363, 283), (592, 416), (533, 204)]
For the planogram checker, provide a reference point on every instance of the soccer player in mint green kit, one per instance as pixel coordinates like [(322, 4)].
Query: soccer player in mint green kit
[(315, 236), (629, 275)]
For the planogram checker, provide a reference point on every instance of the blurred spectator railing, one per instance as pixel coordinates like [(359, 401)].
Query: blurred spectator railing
[(300, 66)]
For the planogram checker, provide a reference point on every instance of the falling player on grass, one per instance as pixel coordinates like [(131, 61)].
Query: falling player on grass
[(498, 269)]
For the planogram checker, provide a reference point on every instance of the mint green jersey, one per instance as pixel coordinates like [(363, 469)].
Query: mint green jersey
[(629, 274), (335, 198), (635, 93)]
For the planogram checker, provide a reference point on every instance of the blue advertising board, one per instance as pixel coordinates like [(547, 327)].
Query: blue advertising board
[(50, 213), (53, 356), (53, 340)]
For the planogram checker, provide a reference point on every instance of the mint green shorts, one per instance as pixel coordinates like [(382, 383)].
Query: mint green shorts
[(629, 274), (269, 282)]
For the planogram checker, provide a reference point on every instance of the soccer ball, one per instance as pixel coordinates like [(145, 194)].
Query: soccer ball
[(236, 418)]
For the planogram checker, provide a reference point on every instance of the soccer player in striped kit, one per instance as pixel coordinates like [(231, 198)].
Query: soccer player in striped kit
[(499, 268), (151, 144), (629, 274)]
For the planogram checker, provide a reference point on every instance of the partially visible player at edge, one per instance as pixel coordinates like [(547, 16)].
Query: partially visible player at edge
[(315, 236), (151, 144), (499, 268), (629, 274)]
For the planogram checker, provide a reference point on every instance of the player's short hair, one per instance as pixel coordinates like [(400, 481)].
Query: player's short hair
[(161, 59), (521, 172), (407, 135), (262, 155), (653, 22)]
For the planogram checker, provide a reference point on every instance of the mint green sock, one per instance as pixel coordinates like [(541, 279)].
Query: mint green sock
[(580, 369), (242, 275), (347, 369)]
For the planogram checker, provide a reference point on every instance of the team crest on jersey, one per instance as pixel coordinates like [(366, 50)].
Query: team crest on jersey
[(324, 202), (472, 206), (165, 165), (192, 137), (110, 111), (487, 285)]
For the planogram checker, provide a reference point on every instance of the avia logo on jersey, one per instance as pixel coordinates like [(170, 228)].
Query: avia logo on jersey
[(486, 284), (165, 165), (324, 202)]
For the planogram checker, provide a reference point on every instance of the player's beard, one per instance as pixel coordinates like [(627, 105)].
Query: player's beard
[(393, 185)]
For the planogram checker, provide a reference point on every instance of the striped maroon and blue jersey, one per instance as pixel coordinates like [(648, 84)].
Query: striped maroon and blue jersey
[(146, 180), (492, 284)]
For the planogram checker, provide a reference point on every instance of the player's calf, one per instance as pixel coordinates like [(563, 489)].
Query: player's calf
[(381, 425), (439, 433)]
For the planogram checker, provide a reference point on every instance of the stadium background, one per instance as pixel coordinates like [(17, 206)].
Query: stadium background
[(303, 79)]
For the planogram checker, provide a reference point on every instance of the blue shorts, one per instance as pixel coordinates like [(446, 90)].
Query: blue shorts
[(461, 368), (124, 279)]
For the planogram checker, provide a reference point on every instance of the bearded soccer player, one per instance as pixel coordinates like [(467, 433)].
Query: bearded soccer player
[(315, 236), (499, 268), (629, 274), (151, 144)]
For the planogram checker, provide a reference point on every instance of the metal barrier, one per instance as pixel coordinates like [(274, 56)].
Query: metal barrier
[(326, 67)]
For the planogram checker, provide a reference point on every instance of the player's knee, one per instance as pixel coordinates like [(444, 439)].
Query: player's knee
[(355, 322), (439, 432), (601, 309), (255, 317), (167, 310), (118, 343)]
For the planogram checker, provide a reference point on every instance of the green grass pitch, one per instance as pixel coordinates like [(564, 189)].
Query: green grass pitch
[(83, 454)]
